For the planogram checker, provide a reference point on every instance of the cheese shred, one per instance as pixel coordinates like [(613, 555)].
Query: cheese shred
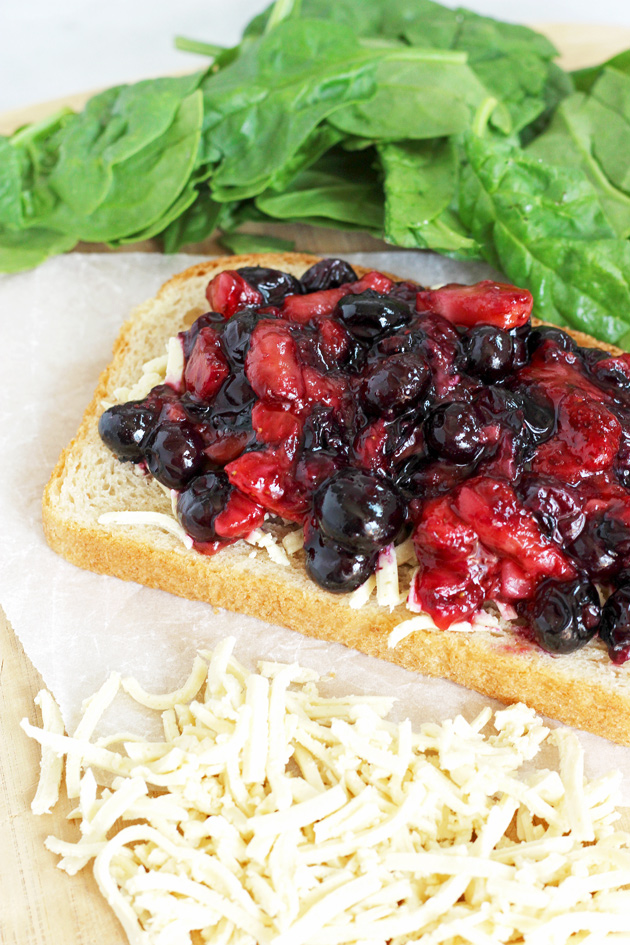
[(272, 815)]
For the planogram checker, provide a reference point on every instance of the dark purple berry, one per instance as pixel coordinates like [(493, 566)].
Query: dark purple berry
[(272, 284), (489, 352), (323, 432), (563, 616), (124, 428), (452, 431), (405, 291), (394, 384), (358, 510), (603, 546), (370, 315), (209, 320), (538, 336), (174, 454), (328, 274), (335, 568), (556, 506), (200, 503), (614, 628), (236, 335)]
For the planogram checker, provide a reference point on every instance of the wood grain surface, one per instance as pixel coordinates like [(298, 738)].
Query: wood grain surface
[(39, 904)]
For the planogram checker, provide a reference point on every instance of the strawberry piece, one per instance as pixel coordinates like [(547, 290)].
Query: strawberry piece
[(206, 368), (272, 365), (316, 305), (334, 341), (328, 390), (370, 446), (450, 583), (587, 440), (276, 425), (557, 372), (266, 477), (485, 303), (507, 529), (227, 445), (239, 517), (228, 293)]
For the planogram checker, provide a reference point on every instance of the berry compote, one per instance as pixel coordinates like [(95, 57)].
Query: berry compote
[(367, 411)]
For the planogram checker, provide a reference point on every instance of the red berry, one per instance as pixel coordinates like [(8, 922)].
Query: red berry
[(586, 442), (239, 517), (228, 293), (485, 303), (272, 365), (266, 476), (315, 305), (206, 368)]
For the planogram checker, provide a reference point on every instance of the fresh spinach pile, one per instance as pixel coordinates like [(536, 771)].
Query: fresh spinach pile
[(429, 127)]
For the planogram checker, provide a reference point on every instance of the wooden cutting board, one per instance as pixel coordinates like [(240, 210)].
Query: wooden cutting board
[(40, 905)]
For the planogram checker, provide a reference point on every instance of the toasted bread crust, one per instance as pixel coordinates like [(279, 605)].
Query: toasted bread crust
[(585, 689)]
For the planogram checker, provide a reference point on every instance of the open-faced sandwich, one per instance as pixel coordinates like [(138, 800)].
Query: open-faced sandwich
[(427, 475)]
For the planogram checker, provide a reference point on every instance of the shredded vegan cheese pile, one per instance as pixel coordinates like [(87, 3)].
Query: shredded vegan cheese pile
[(271, 814)]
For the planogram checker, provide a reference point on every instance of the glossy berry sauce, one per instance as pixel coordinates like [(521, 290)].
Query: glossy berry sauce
[(367, 410)]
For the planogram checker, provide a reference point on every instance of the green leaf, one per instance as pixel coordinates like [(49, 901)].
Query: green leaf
[(584, 79), (255, 243), (591, 132), (420, 186), (23, 249), (11, 213), (341, 188), (260, 111), (543, 226), (145, 185), (195, 224), (113, 127), (418, 99)]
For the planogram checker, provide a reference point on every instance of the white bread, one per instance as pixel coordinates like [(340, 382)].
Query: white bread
[(584, 689)]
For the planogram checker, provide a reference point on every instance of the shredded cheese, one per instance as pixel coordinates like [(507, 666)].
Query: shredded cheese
[(159, 519), (272, 814)]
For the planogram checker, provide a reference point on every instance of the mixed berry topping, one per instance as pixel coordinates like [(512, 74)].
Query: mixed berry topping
[(368, 411)]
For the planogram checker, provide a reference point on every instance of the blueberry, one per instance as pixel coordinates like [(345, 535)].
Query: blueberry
[(359, 510), (209, 320), (327, 274), (174, 454), (272, 284), (322, 432), (199, 504), (602, 547), (489, 352), (556, 506), (335, 568), (453, 432), (563, 616), (405, 292), (124, 427), (592, 356), (422, 478), (395, 383), (543, 333), (236, 335), (614, 628), (538, 413), (370, 315)]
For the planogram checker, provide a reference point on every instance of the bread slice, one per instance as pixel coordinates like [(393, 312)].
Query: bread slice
[(584, 689)]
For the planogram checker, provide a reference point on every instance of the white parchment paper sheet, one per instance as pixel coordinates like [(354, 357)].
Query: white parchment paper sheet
[(57, 327)]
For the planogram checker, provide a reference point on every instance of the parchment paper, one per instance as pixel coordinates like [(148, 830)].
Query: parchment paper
[(57, 327)]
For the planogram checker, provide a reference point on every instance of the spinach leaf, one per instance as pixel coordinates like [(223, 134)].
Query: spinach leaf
[(261, 109), (144, 186), (584, 79), (514, 63), (195, 223), (255, 243), (11, 213), (340, 188), (543, 226), (420, 182), (592, 132), (113, 127), (23, 249)]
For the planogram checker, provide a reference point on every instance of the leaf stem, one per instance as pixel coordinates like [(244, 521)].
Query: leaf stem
[(482, 116), (25, 134), (196, 46), (282, 10)]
